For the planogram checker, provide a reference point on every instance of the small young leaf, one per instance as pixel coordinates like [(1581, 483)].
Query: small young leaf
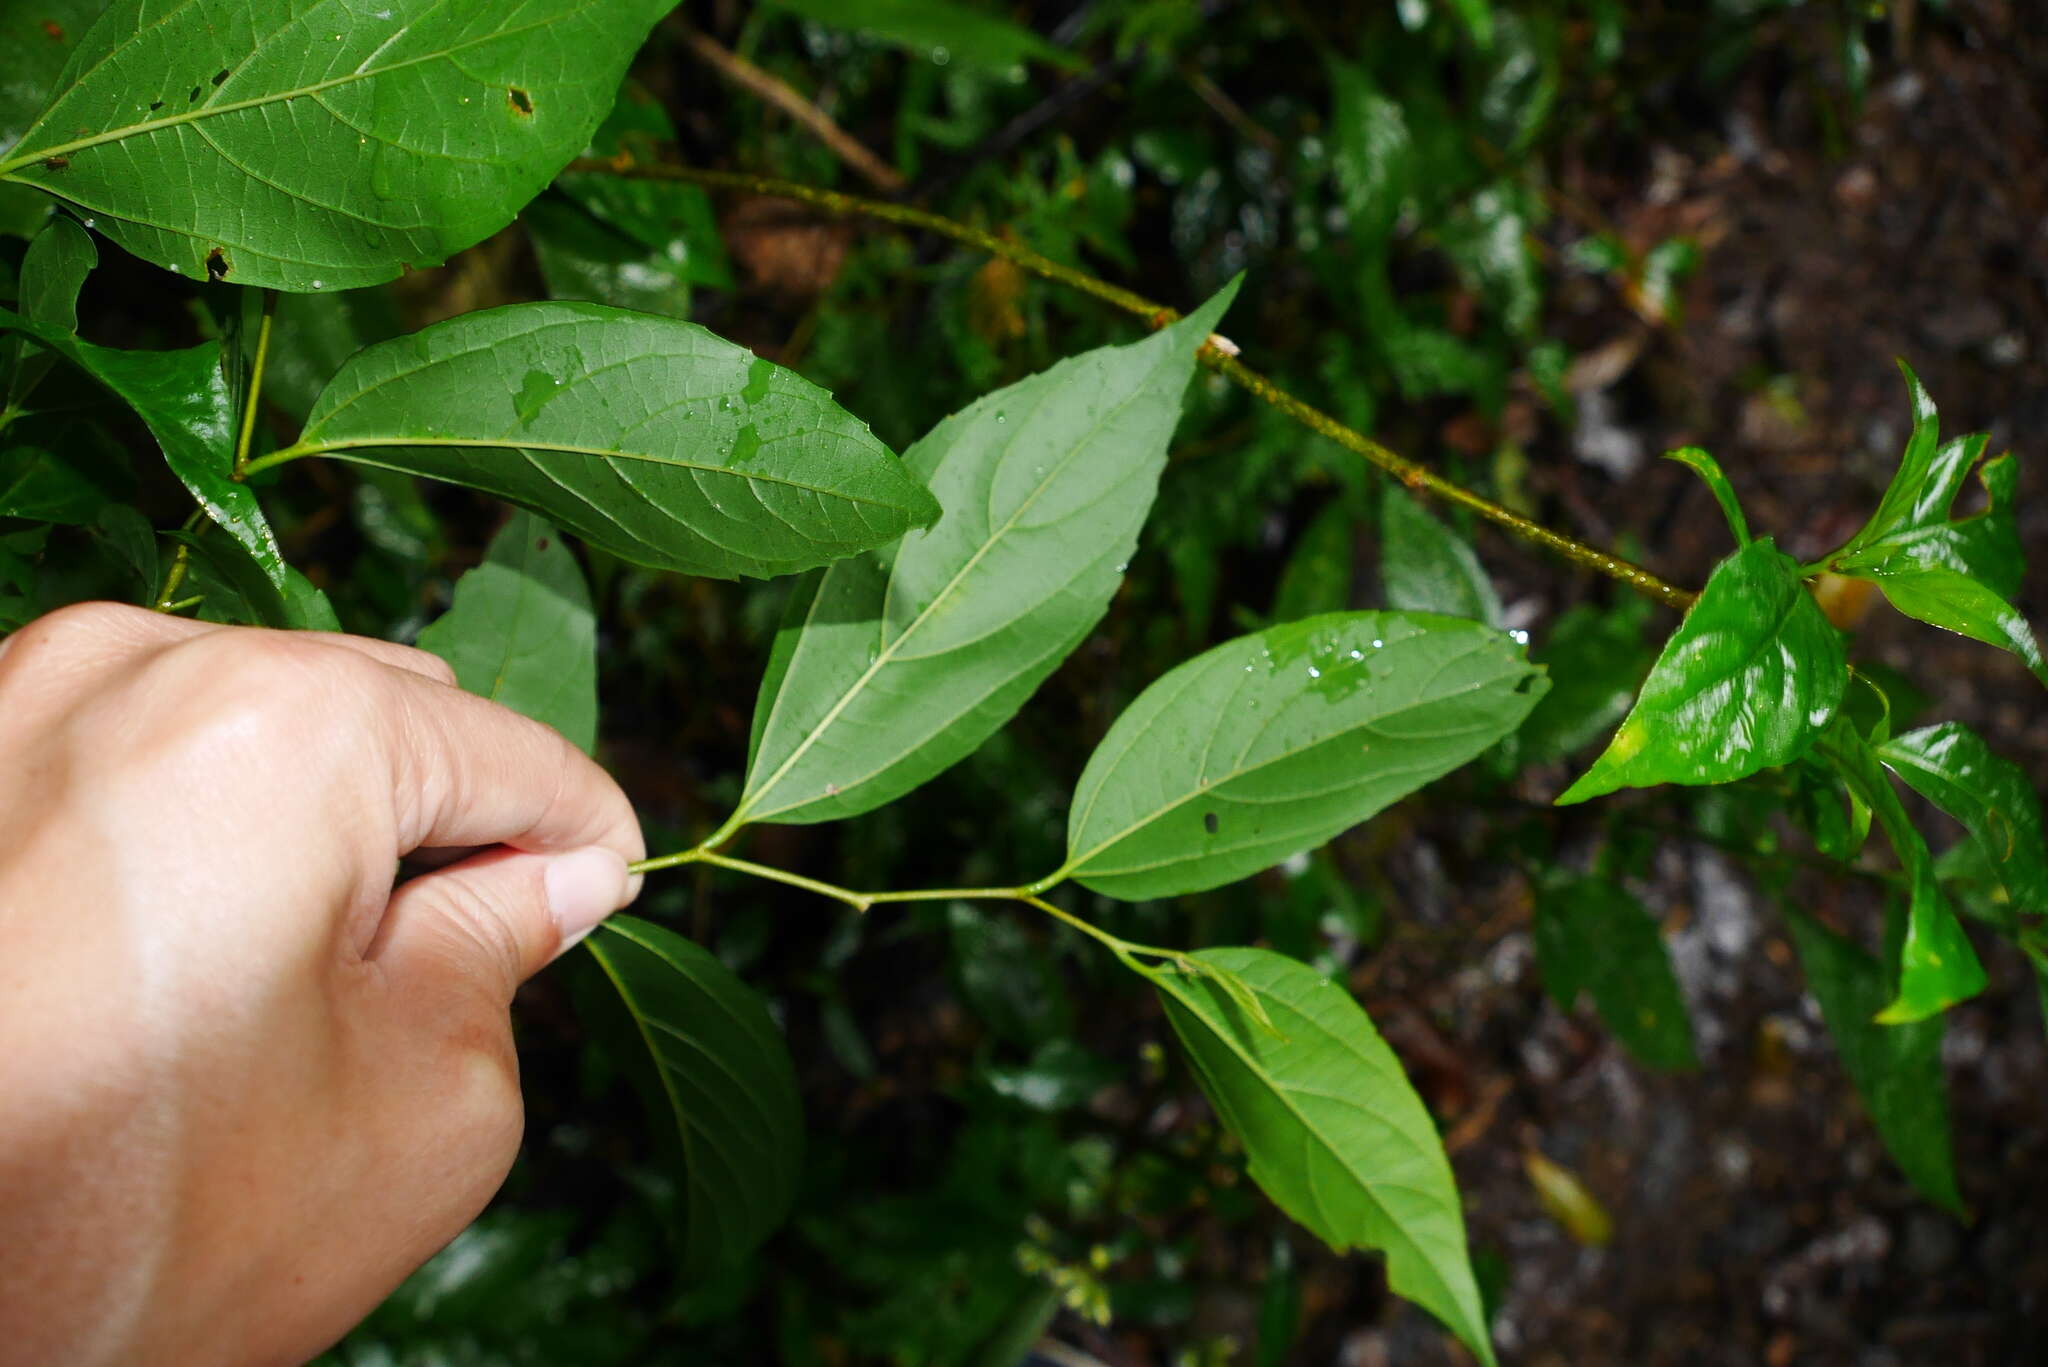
[(521, 631), (1958, 574), (1748, 681), (906, 661), (1335, 1133), (651, 438), (936, 30), (1937, 967), (1709, 469), (1952, 767), (1592, 936), (1275, 742), (322, 147), (183, 398), (722, 1085), (1984, 547), (1896, 1068), (1427, 567)]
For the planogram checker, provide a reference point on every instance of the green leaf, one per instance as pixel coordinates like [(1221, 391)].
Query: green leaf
[(1944, 598), (1596, 658), (1427, 567), (1748, 681), (1319, 571), (38, 39), (1937, 967), (1592, 936), (306, 608), (1709, 469), (581, 258), (1373, 155), (1896, 1068), (322, 146), (127, 534), (906, 661), (1956, 573), (1272, 743), (53, 270), (651, 438), (1333, 1130), (1985, 546), (1060, 1076), (521, 631), (233, 588), (183, 398), (35, 484), (1006, 978), (726, 1089), (1487, 240), (1925, 482), (941, 30), (1477, 16), (668, 217), (1952, 767)]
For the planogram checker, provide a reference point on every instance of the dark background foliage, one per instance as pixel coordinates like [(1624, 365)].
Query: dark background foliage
[(1624, 229)]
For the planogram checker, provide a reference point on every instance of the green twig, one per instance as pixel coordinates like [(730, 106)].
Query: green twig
[(1125, 950), (1411, 474), (248, 431), (181, 561)]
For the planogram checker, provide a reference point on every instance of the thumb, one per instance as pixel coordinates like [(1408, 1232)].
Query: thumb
[(499, 917)]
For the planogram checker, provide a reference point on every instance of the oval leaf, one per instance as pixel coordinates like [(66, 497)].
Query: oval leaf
[(1273, 743), (1592, 936), (722, 1081), (1748, 681), (322, 145), (904, 662), (1334, 1132), (1952, 767), (650, 437), (1937, 966), (521, 631), (1896, 1068)]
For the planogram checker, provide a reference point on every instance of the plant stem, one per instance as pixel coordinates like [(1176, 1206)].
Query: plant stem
[(277, 457), (861, 901), (1218, 358), (181, 561), (255, 385)]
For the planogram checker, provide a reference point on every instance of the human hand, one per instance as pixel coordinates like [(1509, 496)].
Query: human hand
[(246, 1085)]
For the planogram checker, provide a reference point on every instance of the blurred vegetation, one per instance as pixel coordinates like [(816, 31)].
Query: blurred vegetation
[(999, 1144)]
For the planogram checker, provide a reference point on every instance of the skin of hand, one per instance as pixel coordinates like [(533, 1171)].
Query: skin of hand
[(247, 1085)]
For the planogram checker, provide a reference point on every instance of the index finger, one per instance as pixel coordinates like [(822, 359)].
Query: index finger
[(466, 771)]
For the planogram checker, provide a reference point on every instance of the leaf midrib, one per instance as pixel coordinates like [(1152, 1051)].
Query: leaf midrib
[(340, 446), (1308, 1127)]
